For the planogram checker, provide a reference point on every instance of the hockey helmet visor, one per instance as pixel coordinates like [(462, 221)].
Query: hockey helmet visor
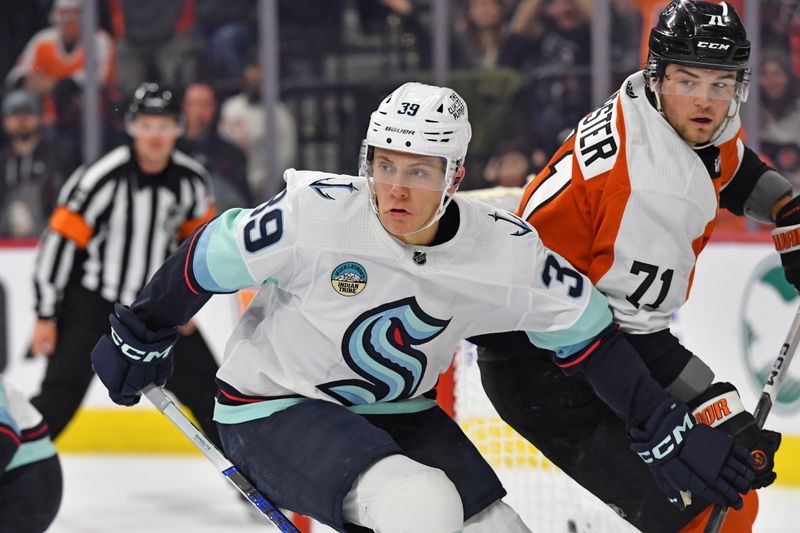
[(712, 84)]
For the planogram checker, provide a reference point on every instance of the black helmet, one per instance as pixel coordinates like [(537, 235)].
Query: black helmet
[(698, 34), (151, 99)]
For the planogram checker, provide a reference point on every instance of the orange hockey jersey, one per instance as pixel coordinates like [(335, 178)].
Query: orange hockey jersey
[(629, 203)]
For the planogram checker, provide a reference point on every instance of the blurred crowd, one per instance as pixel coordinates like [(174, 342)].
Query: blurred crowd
[(524, 66)]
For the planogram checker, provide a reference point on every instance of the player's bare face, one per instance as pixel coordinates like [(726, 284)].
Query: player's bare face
[(408, 189), (154, 138), (695, 101)]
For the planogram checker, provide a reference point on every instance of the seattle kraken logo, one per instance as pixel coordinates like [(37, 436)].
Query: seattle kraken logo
[(378, 346), (524, 227), (322, 184)]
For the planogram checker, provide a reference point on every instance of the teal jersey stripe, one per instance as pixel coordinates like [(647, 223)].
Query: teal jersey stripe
[(236, 414), (6, 420), (595, 318), (412, 405), (31, 452), (217, 264)]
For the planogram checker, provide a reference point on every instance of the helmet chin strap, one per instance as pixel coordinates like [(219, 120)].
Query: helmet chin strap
[(443, 203), (734, 105)]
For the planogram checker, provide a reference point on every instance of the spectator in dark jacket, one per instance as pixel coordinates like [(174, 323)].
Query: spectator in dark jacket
[(31, 168), (228, 30), (154, 35), (780, 115), (224, 161)]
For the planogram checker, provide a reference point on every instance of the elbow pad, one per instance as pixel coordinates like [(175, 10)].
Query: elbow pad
[(769, 188)]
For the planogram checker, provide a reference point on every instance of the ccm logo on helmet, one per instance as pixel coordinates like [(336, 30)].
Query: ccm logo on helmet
[(713, 46), (137, 355), (665, 447)]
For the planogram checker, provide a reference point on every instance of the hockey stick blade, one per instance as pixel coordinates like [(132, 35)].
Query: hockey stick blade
[(164, 403), (768, 397)]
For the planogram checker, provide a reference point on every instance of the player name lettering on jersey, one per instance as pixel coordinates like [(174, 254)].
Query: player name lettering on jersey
[(597, 140)]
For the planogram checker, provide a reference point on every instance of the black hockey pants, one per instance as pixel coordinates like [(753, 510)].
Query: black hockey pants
[(571, 426)]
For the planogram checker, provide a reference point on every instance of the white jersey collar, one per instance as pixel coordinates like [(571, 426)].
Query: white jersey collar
[(435, 257)]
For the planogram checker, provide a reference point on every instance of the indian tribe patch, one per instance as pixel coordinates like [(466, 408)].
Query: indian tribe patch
[(349, 279)]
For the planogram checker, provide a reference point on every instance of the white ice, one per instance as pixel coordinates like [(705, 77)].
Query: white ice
[(180, 493)]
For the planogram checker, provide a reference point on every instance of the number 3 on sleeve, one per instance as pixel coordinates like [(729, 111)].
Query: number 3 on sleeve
[(551, 265)]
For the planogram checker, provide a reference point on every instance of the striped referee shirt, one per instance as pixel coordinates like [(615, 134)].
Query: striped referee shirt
[(114, 226)]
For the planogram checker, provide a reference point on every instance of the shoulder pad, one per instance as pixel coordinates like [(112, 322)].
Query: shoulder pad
[(294, 177)]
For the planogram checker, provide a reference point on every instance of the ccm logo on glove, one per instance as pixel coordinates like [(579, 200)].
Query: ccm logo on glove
[(137, 355), (670, 442)]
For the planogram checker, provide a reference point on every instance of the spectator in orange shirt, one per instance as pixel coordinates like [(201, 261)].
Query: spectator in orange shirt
[(56, 53)]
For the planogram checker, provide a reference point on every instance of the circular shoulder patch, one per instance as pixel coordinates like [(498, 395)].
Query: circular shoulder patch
[(349, 279)]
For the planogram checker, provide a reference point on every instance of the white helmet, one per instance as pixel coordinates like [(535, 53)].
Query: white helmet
[(420, 119)]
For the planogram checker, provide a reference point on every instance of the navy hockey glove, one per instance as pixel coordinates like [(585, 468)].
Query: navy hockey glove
[(132, 356), (685, 456), (721, 407), (787, 240), (9, 439)]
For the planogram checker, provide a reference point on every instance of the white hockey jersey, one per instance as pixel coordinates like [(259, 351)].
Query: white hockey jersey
[(349, 314), (630, 204)]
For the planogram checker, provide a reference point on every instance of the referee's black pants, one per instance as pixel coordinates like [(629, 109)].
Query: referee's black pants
[(82, 320)]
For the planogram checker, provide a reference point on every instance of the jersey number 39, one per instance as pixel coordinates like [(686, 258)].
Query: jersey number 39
[(265, 229)]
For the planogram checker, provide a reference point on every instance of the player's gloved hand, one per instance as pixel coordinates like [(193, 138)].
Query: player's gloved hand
[(9, 439), (787, 240), (720, 407), (685, 456), (132, 356)]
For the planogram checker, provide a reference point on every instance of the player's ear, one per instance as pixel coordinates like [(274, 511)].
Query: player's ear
[(457, 178)]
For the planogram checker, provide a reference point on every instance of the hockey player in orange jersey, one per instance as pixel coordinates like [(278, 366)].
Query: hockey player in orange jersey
[(631, 199)]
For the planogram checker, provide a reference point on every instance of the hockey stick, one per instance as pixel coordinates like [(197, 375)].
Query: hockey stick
[(165, 404), (768, 397)]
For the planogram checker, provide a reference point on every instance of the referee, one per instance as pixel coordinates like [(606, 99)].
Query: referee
[(115, 223)]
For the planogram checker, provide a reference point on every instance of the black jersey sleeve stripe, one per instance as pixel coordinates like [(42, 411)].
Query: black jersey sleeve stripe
[(169, 299)]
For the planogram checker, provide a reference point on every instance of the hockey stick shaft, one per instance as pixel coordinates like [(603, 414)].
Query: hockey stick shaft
[(768, 397), (164, 403)]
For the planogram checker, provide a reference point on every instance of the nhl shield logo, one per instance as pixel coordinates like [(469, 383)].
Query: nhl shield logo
[(349, 279), (761, 334)]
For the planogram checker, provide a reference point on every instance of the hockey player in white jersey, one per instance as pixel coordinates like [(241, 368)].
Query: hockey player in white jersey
[(326, 393)]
